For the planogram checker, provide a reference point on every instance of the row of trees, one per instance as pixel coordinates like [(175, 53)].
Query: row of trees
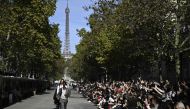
[(29, 44), (133, 37)]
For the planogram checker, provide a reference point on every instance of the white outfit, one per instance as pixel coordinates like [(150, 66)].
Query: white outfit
[(63, 94), (58, 87), (64, 98)]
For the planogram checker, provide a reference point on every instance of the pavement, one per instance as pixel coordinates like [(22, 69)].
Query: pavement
[(45, 101)]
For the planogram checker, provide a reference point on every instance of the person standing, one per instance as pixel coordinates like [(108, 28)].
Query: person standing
[(64, 95)]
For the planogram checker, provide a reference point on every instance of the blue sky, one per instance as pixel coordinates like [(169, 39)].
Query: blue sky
[(77, 20)]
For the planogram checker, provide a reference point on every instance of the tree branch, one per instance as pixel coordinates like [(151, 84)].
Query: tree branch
[(8, 34), (186, 39), (186, 49)]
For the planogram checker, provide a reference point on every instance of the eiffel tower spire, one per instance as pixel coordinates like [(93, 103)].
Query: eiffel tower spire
[(67, 3)]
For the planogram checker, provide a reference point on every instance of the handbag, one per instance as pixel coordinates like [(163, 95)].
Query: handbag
[(55, 97)]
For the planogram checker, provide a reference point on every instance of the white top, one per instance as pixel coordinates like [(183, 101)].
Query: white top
[(58, 87), (63, 94)]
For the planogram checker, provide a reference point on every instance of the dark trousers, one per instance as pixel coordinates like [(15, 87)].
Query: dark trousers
[(63, 103)]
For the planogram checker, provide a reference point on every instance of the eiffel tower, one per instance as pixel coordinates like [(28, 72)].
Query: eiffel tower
[(66, 51)]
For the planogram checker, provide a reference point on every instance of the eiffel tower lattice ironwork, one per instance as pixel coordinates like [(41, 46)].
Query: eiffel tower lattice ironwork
[(66, 52)]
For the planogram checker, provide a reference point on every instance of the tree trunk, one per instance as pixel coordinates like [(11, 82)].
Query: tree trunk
[(163, 69), (177, 65), (177, 57)]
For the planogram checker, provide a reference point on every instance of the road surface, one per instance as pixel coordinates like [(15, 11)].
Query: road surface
[(45, 101)]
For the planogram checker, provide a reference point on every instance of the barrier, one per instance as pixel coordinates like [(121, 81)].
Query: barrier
[(14, 89)]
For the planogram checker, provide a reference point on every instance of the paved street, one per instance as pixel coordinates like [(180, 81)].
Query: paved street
[(45, 101)]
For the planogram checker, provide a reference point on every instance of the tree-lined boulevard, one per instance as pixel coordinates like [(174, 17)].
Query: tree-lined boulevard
[(134, 49), (127, 38)]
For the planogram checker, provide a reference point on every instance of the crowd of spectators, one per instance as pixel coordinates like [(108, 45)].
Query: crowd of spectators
[(139, 94)]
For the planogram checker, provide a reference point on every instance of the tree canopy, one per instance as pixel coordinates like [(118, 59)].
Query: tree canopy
[(29, 44), (132, 37)]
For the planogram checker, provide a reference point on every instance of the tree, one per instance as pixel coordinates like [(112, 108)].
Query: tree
[(30, 45), (131, 37)]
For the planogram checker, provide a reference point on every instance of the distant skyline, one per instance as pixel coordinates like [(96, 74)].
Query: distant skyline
[(77, 20)]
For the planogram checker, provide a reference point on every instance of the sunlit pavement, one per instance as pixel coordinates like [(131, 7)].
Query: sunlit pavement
[(45, 101)]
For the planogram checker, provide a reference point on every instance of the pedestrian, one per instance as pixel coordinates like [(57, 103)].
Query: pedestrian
[(56, 96), (64, 93)]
